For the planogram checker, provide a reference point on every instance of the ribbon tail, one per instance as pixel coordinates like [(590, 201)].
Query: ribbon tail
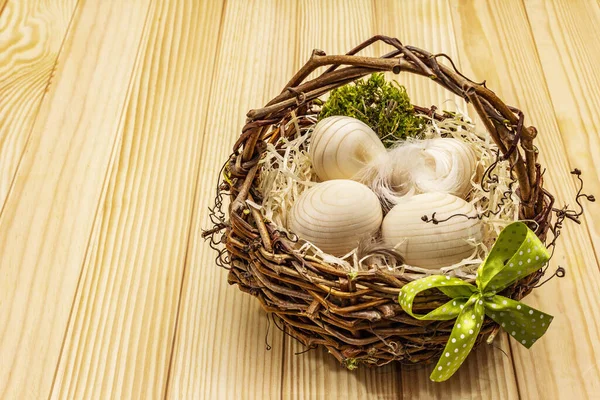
[(461, 341), (525, 324)]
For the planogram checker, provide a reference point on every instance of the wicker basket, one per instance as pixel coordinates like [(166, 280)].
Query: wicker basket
[(357, 319)]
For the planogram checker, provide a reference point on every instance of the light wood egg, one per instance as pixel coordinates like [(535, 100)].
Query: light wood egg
[(428, 245), (340, 146), (334, 215)]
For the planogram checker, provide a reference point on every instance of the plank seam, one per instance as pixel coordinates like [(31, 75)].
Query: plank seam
[(3, 6), (105, 185), (562, 142), (39, 105), (514, 367), (186, 260)]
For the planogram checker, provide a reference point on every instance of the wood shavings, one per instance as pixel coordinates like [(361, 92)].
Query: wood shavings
[(286, 171)]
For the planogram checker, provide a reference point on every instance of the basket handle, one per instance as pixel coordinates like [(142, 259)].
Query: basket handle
[(504, 123)]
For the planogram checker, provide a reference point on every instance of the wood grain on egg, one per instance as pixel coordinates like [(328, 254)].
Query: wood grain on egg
[(429, 245), (334, 215), (341, 146)]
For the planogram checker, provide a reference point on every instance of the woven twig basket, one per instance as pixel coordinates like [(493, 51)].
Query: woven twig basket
[(358, 318)]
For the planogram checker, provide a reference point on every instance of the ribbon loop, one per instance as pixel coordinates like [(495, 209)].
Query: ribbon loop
[(517, 253), (525, 324)]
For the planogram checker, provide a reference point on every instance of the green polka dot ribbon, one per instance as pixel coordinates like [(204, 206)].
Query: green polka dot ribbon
[(517, 253)]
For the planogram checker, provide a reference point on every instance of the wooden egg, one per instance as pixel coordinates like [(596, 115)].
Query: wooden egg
[(428, 245), (334, 215), (340, 146)]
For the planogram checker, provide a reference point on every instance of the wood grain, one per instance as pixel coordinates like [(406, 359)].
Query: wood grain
[(569, 351), (47, 219), (31, 35), (318, 375), (569, 59), (220, 346), (115, 118), (486, 374), (332, 26), (426, 24), (2, 6), (120, 338)]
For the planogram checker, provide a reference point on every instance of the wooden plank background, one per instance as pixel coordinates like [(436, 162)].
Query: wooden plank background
[(114, 120)]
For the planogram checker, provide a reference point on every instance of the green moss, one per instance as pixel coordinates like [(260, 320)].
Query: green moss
[(384, 106), (351, 363)]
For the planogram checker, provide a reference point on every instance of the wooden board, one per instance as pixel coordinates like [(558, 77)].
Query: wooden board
[(124, 317), (489, 33), (318, 375), (2, 5), (220, 346), (47, 219), (31, 36), (426, 24), (486, 374), (561, 32), (115, 118)]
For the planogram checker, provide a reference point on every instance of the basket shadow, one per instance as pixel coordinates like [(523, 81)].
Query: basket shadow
[(322, 373)]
